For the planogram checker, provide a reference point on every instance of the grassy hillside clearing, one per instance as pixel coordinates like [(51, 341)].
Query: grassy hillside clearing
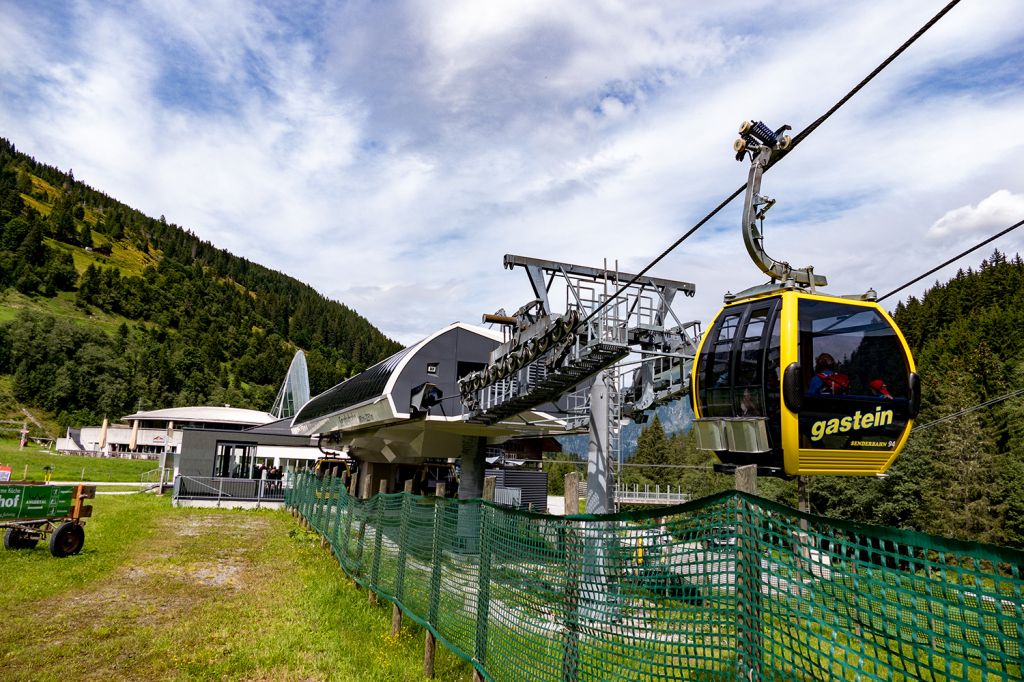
[(61, 305)]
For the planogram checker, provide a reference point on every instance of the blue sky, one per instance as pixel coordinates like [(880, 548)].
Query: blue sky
[(390, 153)]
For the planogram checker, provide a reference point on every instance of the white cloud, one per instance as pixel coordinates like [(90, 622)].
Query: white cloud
[(390, 153), (995, 212)]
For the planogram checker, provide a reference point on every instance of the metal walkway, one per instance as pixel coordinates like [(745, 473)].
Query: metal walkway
[(508, 402)]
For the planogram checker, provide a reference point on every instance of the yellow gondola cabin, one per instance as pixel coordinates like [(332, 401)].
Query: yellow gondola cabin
[(801, 383)]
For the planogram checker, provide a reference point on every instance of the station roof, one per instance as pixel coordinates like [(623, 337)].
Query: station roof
[(204, 414), (281, 427), (374, 381)]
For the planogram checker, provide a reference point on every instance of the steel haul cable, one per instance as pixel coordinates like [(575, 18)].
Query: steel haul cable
[(953, 259), (968, 410), (800, 137)]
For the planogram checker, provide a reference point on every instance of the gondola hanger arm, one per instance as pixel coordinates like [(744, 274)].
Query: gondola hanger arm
[(760, 142)]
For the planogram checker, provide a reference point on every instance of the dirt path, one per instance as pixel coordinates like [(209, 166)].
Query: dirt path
[(32, 419), (161, 593), (187, 569)]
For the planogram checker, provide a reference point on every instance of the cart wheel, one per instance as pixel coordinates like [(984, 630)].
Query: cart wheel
[(67, 539), (16, 538)]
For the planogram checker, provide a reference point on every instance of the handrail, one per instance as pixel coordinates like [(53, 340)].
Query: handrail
[(236, 489), (655, 496), (219, 491), (144, 476)]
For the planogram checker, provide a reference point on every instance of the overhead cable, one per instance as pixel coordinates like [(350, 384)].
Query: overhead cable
[(800, 137), (987, 403), (953, 259)]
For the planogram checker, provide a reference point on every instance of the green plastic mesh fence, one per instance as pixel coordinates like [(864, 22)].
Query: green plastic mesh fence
[(724, 588)]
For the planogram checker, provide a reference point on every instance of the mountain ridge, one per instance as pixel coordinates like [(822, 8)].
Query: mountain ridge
[(217, 327)]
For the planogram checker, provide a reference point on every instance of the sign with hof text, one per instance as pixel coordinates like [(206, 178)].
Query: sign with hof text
[(35, 501)]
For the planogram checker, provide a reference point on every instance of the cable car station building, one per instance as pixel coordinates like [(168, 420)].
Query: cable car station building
[(406, 411)]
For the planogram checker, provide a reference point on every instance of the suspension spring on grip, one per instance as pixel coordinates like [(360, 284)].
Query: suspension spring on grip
[(754, 135)]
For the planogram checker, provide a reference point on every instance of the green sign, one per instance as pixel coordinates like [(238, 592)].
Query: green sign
[(35, 501)]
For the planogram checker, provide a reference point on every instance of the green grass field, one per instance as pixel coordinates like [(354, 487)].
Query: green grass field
[(30, 462), (197, 594)]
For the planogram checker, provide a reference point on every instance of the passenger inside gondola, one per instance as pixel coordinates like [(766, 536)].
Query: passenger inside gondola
[(827, 379)]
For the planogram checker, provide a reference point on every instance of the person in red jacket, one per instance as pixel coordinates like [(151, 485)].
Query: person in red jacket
[(827, 379), (879, 389)]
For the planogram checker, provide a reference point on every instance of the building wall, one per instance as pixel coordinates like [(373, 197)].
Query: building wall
[(443, 355), (119, 438), (533, 483), (199, 449)]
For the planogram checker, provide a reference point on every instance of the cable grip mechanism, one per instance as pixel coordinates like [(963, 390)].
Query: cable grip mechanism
[(761, 142)]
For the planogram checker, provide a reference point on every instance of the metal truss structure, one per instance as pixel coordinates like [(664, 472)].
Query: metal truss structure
[(604, 317)]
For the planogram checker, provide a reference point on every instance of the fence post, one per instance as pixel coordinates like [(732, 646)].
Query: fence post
[(570, 636), (748, 578), (321, 508), (483, 590), (314, 486), (314, 504), (377, 541), (435, 581), (403, 541), (339, 489), (361, 541), (351, 501), (307, 502), (324, 516), (573, 549), (572, 493), (309, 497)]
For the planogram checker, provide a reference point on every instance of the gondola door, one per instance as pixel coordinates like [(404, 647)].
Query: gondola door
[(736, 385)]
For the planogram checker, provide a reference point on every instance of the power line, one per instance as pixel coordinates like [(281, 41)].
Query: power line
[(951, 260), (800, 137), (987, 403)]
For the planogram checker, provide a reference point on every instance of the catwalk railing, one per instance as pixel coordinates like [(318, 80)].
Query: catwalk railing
[(650, 494), (724, 588), (227, 490)]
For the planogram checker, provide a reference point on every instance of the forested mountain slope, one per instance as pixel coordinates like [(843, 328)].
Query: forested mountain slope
[(963, 477), (104, 309)]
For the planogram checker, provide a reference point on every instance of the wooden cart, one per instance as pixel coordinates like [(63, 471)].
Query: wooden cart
[(30, 512)]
